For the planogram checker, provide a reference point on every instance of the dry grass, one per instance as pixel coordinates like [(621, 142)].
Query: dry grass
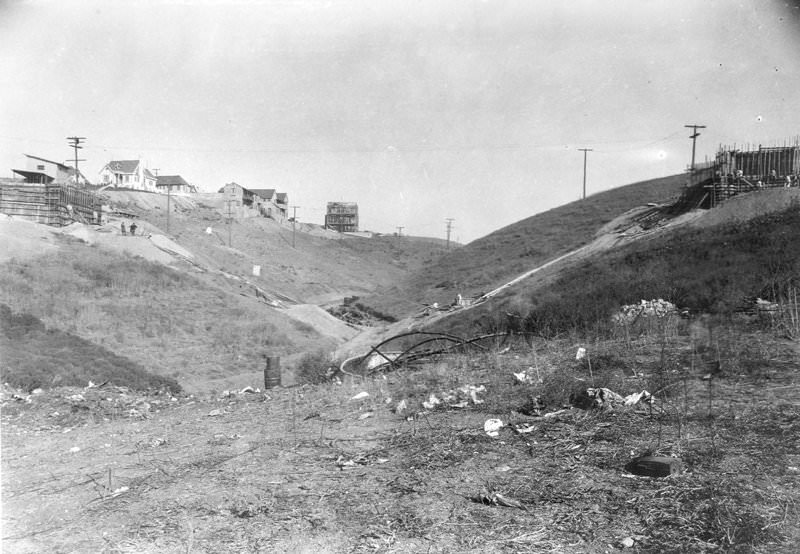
[(307, 469)]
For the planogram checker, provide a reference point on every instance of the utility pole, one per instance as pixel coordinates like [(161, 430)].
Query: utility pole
[(585, 150), (694, 136), (449, 221), (400, 231), (230, 221), (294, 222), (169, 189), (75, 143)]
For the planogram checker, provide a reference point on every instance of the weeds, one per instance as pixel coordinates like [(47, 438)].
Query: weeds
[(37, 357)]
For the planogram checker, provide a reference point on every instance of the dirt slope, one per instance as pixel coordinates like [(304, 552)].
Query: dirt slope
[(500, 256), (513, 295)]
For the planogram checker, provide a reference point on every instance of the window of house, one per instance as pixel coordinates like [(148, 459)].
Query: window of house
[(40, 167)]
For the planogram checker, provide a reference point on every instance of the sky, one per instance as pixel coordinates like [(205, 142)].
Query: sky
[(419, 111)]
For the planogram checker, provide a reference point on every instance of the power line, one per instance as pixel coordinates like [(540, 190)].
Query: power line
[(400, 231), (584, 150), (366, 150)]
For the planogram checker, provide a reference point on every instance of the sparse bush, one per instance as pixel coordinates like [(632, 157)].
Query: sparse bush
[(314, 368)]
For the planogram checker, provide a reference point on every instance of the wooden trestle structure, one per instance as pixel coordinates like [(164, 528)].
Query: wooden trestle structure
[(52, 204)]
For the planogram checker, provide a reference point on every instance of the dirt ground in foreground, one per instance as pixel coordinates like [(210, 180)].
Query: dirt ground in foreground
[(313, 469)]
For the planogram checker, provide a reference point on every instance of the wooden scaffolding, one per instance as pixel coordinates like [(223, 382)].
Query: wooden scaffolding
[(53, 204)]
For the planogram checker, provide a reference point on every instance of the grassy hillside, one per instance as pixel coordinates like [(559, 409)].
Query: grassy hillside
[(168, 321), (502, 255), (710, 270), (37, 357), (321, 266)]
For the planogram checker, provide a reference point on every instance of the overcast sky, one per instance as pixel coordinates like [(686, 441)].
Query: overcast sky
[(419, 111)]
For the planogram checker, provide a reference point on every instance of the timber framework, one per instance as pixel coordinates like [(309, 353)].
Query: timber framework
[(739, 170), (52, 204)]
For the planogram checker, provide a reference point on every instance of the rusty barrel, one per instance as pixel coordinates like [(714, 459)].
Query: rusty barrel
[(272, 372)]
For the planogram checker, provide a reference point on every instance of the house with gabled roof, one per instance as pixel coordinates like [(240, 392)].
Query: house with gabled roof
[(174, 184), (130, 174), (282, 201), (265, 200), (42, 171)]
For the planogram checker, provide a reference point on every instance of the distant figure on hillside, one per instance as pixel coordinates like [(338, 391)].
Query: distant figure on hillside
[(122, 228), (133, 229)]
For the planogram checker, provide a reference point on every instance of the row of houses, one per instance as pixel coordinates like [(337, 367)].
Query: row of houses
[(126, 174), (267, 202), (134, 175)]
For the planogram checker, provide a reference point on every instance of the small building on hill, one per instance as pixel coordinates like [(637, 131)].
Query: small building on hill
[(41, 171), (264, 202), (174, 184), (237, 195), (342, 217), (129, 174), (282, 201)]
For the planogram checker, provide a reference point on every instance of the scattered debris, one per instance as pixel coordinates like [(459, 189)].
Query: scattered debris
[(526, 377), (524, 429), (402, 406), (627, 542), (216, 412), (762, 305), (74, 449), (249, 390), (365, 415), (603, 398), (581, 353), (496, 499), (502, 468), (361, 396), (654, 466), (455, 398), (119, 491), (360, 460), (492, 427), (644, 309), (431, 402), (635, 398)]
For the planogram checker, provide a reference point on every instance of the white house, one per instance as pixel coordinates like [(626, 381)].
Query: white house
[(43, 171), (130, 174)]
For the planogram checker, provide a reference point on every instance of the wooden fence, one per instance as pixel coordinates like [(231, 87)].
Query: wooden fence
[(54, 204)]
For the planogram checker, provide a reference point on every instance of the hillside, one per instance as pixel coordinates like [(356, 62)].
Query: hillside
[(487, 262), (702, 268), (323, 266), (191, 309)]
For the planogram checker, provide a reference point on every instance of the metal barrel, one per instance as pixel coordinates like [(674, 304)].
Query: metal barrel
[(272, 372)]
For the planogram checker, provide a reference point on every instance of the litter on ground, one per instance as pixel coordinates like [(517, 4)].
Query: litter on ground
[(492, 427)]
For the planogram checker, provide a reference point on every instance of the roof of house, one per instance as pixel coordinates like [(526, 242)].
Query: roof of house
[(281, 197), (266, 194), (148, 174), (62, 166), (123, 166), (171, 180)]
